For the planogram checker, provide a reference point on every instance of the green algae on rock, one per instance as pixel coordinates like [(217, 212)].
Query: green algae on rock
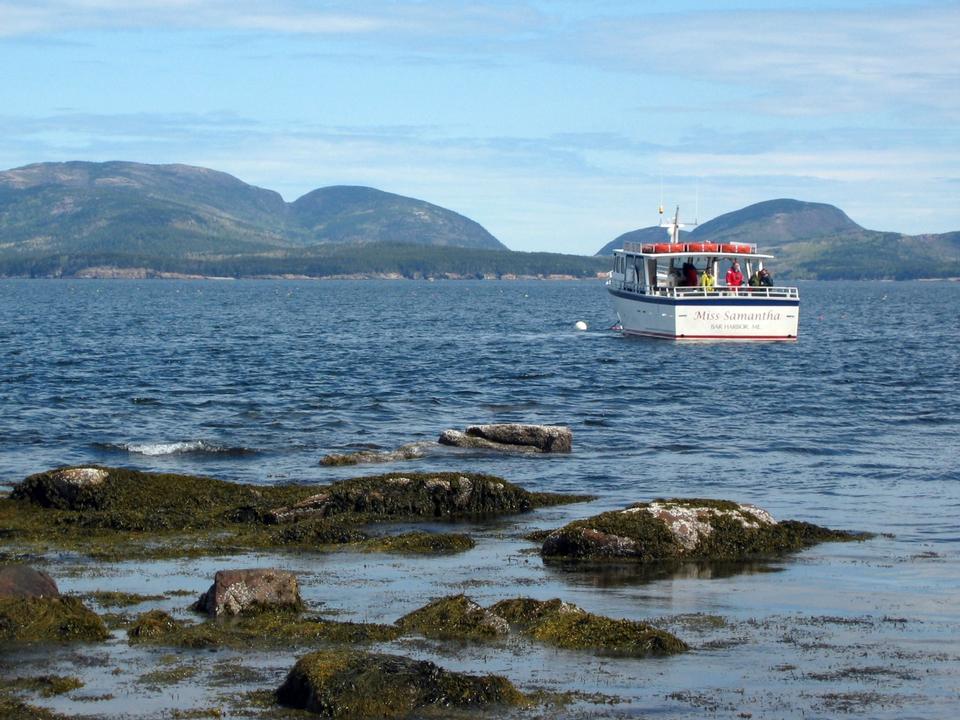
[(58, 619), (419, 543), (565, 625), (114, 598), (455, 617), (686, 529), (12, 708), (267, 629), (46, 685), (354, 684)]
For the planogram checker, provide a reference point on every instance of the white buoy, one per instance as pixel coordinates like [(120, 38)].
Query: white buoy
[(581, 325)]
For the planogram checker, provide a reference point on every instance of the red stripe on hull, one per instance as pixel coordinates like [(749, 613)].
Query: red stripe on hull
[(668, 336)]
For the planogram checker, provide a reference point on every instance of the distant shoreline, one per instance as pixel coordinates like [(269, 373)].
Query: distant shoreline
[(143, 274)]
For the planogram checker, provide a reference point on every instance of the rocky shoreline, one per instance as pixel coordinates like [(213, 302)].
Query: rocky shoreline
[(120, 515)]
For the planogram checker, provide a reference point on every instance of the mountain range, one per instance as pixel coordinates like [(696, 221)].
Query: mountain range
[(817, 240), (132, 219)]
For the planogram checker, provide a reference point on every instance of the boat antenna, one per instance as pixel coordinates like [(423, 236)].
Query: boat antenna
[(661, 199), (696, 214)]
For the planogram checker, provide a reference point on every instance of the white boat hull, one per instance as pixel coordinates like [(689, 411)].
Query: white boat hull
[(730, 317)]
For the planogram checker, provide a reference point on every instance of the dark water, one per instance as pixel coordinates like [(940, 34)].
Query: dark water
[(856, 425)]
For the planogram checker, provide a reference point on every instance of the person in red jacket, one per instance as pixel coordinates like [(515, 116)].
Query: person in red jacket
[(734, 276)]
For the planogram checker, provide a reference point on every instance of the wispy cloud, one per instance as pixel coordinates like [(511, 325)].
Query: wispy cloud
[(803, 63)]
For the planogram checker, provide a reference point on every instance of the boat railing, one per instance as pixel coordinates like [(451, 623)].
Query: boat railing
[(690, 248), (718, 291)]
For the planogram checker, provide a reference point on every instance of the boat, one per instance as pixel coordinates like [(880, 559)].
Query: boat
[(653, 299)]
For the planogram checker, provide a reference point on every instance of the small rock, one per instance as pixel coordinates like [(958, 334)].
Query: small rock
[(512, 437), (21, 581), (410, 451), (237, 591)]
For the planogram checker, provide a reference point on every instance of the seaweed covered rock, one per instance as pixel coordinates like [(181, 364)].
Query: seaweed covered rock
[(266, 629), (354, 684), (420, 495), (152, 626), (689, 529), (512, 437), (57, 619), (69, 488), (314, 531), (418, 542), (124, 499), (253, 590), (410, 451), (456, 617), (22, 581), (565, 625)]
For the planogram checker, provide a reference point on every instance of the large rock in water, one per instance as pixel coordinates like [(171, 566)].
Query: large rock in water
[(512, 437), (686, 529), (21, 581), (354, 684), (237, 591)]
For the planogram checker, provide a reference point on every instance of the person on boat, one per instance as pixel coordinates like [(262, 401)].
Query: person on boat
[(707, 281), (755, 279), (689, 275), (734, 276), (673, 278), (765, 278)]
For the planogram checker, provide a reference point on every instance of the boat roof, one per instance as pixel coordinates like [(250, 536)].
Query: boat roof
[(698, 253)]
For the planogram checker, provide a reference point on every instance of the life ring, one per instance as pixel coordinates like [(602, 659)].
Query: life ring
[(740, 247), (663, 247)]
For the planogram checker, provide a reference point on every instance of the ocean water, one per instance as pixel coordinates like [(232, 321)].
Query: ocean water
[(855, 425)]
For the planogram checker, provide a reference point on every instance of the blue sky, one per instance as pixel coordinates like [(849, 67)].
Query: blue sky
[(553, 124)]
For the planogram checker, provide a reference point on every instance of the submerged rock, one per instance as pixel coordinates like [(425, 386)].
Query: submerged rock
[(410, 451), (56, 619), (456, 617), (353, 684), (565, 625), (21, 581), (237, 591), (420, 543), (512, 437), (689, 529), (152, 626)]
